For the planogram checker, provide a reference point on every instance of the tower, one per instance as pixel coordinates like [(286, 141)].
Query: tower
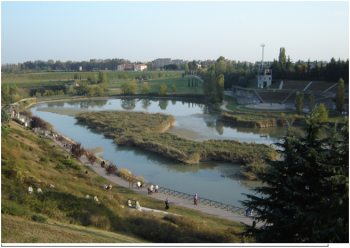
[(265, 76)]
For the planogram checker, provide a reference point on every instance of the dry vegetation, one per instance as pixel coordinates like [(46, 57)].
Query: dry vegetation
[(145, 130)]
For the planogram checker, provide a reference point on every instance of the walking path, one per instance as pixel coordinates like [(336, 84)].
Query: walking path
[(172, 199)]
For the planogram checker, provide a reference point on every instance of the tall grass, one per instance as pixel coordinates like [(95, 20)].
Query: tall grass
[(145, 130)]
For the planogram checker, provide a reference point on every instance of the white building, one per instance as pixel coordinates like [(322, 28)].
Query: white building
[(162, 62), (140, 67), (264, 80)]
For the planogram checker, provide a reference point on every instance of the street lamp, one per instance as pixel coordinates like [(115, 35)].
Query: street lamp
[(129, 180)]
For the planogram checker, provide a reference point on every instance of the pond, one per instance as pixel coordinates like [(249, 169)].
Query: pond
[(193, 121)]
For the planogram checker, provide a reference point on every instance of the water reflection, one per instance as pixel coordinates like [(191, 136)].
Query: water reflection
[(163, 104), (146, 103), (128, 104)]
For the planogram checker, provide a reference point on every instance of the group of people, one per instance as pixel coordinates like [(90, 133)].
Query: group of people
[(109, 187), (67, 145), (153, 189)]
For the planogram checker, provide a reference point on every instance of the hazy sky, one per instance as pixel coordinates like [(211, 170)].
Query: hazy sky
[(144, 31)]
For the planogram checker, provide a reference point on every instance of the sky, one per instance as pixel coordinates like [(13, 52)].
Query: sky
[(201, 30)]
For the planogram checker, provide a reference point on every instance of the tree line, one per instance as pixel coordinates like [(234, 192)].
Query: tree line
[(284, 68)]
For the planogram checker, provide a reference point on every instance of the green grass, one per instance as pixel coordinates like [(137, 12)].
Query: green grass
[(80, 219)]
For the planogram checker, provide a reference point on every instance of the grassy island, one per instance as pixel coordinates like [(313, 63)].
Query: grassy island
[(146, 131), (259, 120)]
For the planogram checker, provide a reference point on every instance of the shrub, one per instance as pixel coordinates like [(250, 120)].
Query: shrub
[(39, 218), (13, 209), (44, 159), (75, 166), (60, 166)]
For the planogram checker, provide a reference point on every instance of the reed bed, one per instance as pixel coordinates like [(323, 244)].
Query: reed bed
[(145, 130), (259, 120)]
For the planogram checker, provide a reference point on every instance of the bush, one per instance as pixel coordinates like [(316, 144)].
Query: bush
[(60, 166), (13, 209), (39, 218), (75, 166), (44, 159)]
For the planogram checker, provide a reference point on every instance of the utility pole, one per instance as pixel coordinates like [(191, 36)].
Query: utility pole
[(262, 61)]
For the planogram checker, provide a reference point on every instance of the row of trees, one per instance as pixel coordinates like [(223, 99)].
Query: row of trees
[(94, 79), (284, 68)]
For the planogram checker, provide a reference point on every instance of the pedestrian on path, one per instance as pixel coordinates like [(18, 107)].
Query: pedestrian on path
[(248, 212), (156, 189), (195, 199), (138, 185), (167, 203)]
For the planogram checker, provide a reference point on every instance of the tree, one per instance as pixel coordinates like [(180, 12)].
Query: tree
[(5, 93), (111, 169), (102, 78), (4, 116), (299, 102), (128, 88), (145, 88), (311, 102), (306, 197), (186, 69), (220, 87), (340, 97), (282, 58), (188, 82), (36, 122), (91, 158), (94, 79), (183, 76), (77, 150), (173, 87), (89, 77), (322, 113), (162, 90)]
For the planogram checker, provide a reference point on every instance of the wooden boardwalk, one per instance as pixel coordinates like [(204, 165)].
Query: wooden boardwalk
[(172, 199)]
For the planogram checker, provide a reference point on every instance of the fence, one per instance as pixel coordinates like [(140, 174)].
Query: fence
[(204, 201)]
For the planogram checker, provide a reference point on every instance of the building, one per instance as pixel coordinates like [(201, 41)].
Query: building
[(162, 62), (265, 79), (140, 67), (131, 67)]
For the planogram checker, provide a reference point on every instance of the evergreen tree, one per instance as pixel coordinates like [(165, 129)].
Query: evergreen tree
[(322, 113), (282, 59), (307, 195), (4, 116), (299, 102), (340, 97), (186, 69)]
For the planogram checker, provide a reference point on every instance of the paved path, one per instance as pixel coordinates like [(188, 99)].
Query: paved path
[(172, 199)]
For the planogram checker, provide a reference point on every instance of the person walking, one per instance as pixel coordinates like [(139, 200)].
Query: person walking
[(138, 185), (156, 188), (195, 199), (167, 203)]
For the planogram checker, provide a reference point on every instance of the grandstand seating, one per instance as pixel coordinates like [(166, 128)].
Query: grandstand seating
[(320, 86), (295, 85), (273, 97)]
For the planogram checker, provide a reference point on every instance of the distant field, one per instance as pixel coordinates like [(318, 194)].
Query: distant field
[(168, 78), (47, 77)]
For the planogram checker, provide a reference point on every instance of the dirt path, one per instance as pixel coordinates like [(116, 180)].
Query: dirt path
[(172, 199)]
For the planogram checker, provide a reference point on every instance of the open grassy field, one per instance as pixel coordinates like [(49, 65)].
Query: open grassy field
[(26, 159)]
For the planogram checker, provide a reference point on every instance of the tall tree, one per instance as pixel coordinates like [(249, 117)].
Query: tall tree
[(311, 102), (282, 58), (186, 69), (299, 102), (102, 78), (306, 197), (340, 96), (220, 87)]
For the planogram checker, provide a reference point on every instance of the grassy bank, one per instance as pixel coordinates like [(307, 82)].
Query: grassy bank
[(125, 130), (27, 160)]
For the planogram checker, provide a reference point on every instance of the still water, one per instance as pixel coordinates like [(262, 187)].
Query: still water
[(193, 121)]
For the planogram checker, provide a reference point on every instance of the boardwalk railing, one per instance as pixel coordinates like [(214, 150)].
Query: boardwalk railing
[(204, 201)]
